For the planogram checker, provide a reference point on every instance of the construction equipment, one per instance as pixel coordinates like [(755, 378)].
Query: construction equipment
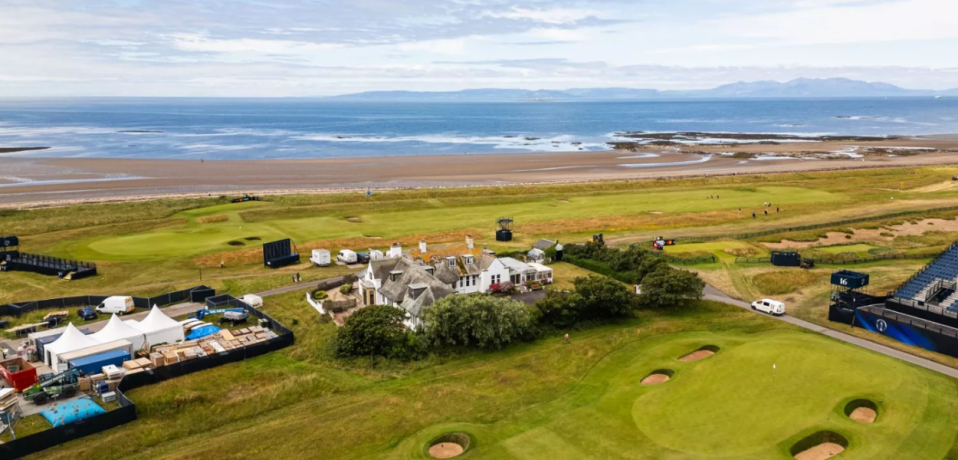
[(233, 315), (62, 385)]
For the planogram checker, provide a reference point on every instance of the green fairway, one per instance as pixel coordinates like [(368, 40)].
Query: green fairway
[(194, 237), (731, 405)]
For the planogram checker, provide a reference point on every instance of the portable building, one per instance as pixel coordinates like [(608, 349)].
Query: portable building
[(63, 359), (93, 364), (18, 373), (117, 329), (320, 257), (71, 340), (159, 328)]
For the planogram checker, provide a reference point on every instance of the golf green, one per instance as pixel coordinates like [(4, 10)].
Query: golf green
[(755, 398)]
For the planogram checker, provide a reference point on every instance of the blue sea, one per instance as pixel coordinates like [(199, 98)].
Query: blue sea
[(192, 129)]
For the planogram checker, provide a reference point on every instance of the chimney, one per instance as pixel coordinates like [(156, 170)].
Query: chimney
[(395, 251), (422, 245), (470, 244)]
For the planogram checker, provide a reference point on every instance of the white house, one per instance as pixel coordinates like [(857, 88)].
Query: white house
[(414, 280)]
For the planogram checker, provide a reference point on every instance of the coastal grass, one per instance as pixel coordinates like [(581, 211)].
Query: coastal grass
[(545, 399)]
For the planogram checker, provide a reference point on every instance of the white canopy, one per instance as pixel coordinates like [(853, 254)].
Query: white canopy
[(71, 340), (159, 328), (116, 329)]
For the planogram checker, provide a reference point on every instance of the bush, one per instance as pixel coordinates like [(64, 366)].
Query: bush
[(561, 309), (377, 330), (477, 320), (505, 287), (320, 295), (346, 289), (669, 287), (604, 298)]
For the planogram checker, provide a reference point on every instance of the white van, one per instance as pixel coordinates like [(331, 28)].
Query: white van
[(346, 256), (772, 307), (320, 258), (116, 304)]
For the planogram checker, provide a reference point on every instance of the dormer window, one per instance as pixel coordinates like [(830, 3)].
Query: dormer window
[(394, 275), (451, 261), (469, 259)]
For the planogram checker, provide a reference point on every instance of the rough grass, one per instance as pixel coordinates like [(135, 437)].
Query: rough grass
[(785, 281), (543, 400)]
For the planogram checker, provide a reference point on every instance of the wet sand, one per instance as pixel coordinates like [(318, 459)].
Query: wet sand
[(32, 181)]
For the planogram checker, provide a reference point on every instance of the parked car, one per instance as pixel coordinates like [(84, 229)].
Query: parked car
[(362, 258), (87, 313), (772, 307), (116, 304)]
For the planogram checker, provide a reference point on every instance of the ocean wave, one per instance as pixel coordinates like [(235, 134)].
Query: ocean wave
[(531, 143), (33, 183)]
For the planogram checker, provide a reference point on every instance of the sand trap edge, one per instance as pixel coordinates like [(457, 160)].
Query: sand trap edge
[(463, 440)]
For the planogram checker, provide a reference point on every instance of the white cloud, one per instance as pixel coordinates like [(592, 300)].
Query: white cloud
[(203, 43), (549, 16)]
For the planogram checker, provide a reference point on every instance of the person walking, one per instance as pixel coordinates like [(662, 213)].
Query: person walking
[(298, 278), (766, 212), (776, 210), (567, 338), (753, 215)]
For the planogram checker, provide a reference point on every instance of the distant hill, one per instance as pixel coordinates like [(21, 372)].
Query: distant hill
[(798, 88)]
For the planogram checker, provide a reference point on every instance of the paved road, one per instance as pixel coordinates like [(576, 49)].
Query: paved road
[(305, 285), (714, 294)]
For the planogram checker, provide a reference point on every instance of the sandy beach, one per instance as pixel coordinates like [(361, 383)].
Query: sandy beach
[(34, 181)]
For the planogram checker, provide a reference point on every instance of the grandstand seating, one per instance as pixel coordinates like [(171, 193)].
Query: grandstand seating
[(944, 268)]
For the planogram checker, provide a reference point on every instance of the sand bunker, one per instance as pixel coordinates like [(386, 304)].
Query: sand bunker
[(449, 446), (864, 415), (657, 377), (446, 450), (820, 452), (699, 354), (819, 446), (905, 229), (862, 411), (236, 243)]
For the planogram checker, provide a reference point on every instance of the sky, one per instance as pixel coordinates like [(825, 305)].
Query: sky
[(278, 48)]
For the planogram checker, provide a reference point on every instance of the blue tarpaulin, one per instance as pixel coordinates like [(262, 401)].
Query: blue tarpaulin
[(90, 365), (70, 412), (201, 332)]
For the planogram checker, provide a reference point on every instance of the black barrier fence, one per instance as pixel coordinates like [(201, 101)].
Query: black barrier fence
[(194, 294), (908, 329), (126, 413), (852, 259), (45, 439)]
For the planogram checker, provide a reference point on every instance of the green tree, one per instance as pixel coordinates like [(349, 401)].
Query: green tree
[(560, 309), (669, 288), (376, 330), (476, 320), (604, 298)]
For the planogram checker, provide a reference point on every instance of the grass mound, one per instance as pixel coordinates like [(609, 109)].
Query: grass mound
[(819, 446), (213, 219), (862, 410), (449, 445)]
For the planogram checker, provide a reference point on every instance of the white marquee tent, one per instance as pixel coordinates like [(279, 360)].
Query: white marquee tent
[(159, 328), (116, 329), (71, 340)]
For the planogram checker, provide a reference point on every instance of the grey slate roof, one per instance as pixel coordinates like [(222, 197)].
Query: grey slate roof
[(544, 244)]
